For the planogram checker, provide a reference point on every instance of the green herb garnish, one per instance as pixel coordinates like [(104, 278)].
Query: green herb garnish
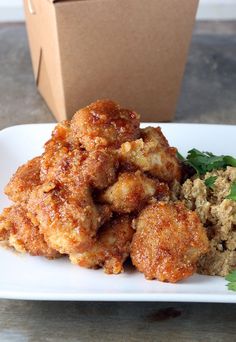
[(210, 182), (204, 162), (232, 194), (231, 278)]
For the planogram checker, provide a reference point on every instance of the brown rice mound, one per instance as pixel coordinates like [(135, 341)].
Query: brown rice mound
[(218, 216)]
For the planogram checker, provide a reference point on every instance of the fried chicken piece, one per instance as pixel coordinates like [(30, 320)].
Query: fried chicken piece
[(28, 175), (60, 137), (55, 149), (111, 248), (100, 168), (131, 191), (81, 163), (104, 124), (63, 166), (71, 165), (152, 154), (24, 180), (75, 167), (17, 231), (68, 220), (168, 242), (61, 133)]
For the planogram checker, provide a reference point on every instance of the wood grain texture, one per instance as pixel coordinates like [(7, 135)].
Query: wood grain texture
[(208, 95), (68, 321)]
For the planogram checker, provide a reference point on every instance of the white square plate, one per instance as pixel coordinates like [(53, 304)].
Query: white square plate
[(36, 278)]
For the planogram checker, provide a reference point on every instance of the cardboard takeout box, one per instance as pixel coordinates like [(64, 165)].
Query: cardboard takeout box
[(131, 51)]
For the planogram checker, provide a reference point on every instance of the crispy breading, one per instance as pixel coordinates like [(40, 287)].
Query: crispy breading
[(104, 124), (54, 149), (17, 231), (68, 220), (100, 169), (131, 191), (152, 153), (168, 241), (34, 172), (77, 167), (97, 172), (24, 180), (60, 134), (111, 248)]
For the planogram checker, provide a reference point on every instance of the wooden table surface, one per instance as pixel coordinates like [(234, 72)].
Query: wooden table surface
[(208, 95)]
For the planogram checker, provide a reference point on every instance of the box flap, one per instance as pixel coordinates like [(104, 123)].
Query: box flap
[(44, 52), (35, 37)]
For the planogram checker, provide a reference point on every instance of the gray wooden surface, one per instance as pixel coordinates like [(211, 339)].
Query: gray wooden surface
[(208, 95), (111, 322)]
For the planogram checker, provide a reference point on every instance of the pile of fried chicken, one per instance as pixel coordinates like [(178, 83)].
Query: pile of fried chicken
[(99, 194)]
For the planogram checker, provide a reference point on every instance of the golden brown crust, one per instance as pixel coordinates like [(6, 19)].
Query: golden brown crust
[(55, 149), (130, 193), (24, 180), (94, 168), (152, 153), (68, 220), (104, 124), (168, 241), (76, 167), (111, 248), (22, 234), (100, 169)]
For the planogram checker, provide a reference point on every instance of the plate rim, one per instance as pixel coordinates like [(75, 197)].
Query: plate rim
[(124, 296)]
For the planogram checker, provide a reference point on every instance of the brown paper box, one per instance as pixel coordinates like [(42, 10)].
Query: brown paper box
[(131, 51)]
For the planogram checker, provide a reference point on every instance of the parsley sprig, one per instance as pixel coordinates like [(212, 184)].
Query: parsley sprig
[(232, 194), (204, 162), (210, 182), (231, 278)]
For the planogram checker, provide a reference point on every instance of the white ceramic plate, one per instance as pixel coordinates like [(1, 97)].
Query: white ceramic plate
[(26, 277)]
